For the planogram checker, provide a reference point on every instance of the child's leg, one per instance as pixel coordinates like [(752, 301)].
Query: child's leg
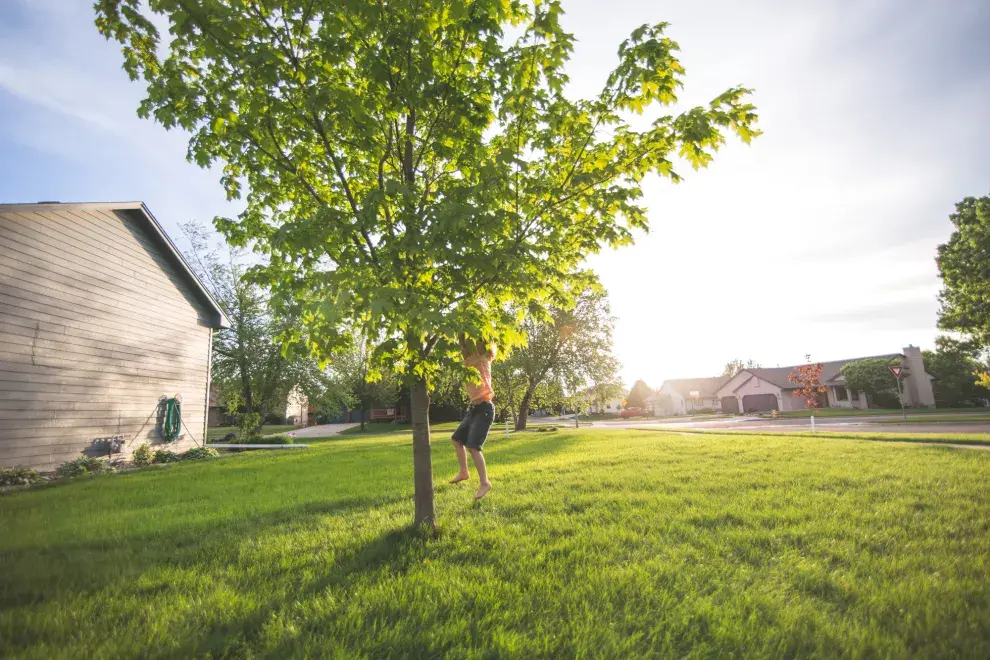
[(479, 464), (462, 474)]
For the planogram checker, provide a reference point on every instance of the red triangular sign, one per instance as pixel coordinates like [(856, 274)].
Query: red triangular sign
[(896, 371)]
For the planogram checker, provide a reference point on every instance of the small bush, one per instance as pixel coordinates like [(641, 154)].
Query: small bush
[(230, 437), (546, 429), (19, 476), (274, 418), (165, 456), (249, 423), (200, 453), (142, 456), (84, 465)]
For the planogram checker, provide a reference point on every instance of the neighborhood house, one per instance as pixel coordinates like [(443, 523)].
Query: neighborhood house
[(766, 389), (103, 328), (612, 407)]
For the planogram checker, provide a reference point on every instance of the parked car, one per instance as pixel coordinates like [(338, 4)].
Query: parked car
[(633, 412)]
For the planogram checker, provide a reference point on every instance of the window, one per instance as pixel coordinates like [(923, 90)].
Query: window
[(756, 382), (841, 394)]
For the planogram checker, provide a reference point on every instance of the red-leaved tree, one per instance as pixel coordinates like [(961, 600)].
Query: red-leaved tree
[(809, 377)]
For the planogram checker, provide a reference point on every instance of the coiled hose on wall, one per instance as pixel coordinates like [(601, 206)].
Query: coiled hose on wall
[(171, 418)]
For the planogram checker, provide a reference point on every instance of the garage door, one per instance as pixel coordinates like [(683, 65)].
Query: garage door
[(730, 405), (759, 402)]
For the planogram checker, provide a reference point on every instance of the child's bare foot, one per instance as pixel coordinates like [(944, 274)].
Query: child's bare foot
[(485, 487), (459, 478)]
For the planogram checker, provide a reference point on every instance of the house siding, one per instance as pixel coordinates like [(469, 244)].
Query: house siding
[(97, 321)]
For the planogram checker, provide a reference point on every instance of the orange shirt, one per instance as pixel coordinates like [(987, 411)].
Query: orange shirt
[(480, 391)]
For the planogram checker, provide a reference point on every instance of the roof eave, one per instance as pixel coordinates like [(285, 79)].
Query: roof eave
[(222, 320)]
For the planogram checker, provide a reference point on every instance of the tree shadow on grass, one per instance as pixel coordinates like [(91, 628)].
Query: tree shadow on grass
[(36, 573), (395, 551), (527, 447)]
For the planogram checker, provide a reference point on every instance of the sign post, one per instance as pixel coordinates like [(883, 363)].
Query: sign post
[(897, 371)]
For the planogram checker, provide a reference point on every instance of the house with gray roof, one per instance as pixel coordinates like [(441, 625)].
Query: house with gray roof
[(766, 389), (680, 396)]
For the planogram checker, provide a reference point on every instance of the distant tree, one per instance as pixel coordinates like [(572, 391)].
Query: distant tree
[(964, 265), (601, 393), (732, 367), (809, 377), (367, 385), (638, 395), (571, 348), (249, 367), (447, 389), (874, 377), (511, 383), (955, 368)]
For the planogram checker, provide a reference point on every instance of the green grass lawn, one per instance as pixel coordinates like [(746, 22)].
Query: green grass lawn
[(592, 544), (855, 412), (218, 432)]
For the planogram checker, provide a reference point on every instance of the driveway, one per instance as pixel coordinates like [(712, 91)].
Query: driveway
[(320, 431)]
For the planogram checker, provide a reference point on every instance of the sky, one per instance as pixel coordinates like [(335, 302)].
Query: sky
[(818, 238)]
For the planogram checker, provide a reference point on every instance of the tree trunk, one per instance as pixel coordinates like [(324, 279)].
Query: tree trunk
[(524, 408), (246, 387), (422, 465)]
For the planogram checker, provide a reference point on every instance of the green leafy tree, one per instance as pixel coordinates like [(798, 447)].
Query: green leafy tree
[(447, 389), (732, 367), (955, 367), (964, 264), (509, 383), (572, 348), (638, 395), (410, 168), (249, 368), (603, 391), (874, 377), (366, 385)]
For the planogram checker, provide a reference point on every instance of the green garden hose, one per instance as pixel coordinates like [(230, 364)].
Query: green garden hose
[(172, 420)]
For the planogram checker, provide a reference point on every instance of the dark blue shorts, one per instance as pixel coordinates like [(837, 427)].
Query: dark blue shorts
[(473, 430)]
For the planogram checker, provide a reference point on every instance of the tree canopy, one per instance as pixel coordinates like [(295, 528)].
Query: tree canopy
[(964, 264), (732, 367), (410, 169), (874, 377), (365, 386), (249, 370), (638, 395), (573, 349), (955, 367)]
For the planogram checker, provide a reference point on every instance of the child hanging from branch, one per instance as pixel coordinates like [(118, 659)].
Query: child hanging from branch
[(470, 436)]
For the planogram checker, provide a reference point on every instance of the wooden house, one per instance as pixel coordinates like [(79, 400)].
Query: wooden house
[(100, 318)]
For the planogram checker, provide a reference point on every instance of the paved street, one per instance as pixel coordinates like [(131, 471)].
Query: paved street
[(857, 424)]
